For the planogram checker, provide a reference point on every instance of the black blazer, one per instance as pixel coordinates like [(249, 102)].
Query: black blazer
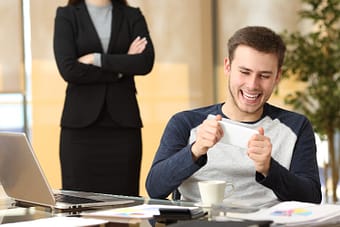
[(89, 86)]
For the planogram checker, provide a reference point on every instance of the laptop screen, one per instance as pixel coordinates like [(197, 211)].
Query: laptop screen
[(20, 173), (24, 180)]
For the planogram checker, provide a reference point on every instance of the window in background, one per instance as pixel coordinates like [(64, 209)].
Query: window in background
[(12, 112), (15, 66)]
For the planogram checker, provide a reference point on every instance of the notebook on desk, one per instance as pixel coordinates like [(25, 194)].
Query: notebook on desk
[(24, 180)]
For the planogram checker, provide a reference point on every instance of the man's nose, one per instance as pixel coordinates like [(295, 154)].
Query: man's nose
[(253, 82)]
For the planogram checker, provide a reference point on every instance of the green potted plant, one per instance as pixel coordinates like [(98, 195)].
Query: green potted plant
[(313, 57)]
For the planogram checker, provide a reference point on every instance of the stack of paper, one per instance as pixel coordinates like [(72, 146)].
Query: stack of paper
[(294, 213), (57, 222), (131, 214)]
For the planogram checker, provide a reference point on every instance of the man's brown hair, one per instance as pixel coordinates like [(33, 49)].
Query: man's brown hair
[(260, 38)]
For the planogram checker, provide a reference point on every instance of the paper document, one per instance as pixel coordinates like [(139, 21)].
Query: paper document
[(59, 221), (145, 211), (293, 213), (235, 133)]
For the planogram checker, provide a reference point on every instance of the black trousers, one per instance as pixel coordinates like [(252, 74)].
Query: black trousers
[(101, 159)]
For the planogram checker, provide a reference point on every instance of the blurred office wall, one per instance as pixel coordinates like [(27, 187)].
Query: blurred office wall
[(11, 45), (48, 89)]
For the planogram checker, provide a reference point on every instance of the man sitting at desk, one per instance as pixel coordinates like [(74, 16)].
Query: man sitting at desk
[(279, 163)]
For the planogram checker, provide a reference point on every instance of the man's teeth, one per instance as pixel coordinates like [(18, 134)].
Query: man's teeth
[(249, 96)]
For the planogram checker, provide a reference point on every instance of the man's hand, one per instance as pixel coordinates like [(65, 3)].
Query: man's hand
[(138, 45), (208, 134), (260, 150)]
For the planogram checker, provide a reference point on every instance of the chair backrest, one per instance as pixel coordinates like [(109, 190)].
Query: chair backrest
[(176, 195)]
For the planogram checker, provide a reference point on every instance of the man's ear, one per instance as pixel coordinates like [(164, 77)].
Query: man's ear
[(278, 76), (227, 66)]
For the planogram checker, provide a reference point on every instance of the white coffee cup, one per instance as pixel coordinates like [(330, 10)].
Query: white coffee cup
[(213, 191)]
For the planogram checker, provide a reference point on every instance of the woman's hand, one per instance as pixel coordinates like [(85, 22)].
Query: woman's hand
[(86, 59), (138, 45)]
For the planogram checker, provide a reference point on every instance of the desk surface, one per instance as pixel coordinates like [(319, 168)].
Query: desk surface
[(13, 214), (10, 213)]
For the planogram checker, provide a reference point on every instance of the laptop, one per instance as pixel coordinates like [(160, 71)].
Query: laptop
[(24, 181)]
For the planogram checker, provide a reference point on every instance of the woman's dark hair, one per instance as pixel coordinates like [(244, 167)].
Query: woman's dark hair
[(73, 2), (260, 38)]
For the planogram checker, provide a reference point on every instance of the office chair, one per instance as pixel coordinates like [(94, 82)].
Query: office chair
[(176, 195)]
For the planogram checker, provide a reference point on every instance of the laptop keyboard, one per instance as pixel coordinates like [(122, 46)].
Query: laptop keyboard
[(72, 199)]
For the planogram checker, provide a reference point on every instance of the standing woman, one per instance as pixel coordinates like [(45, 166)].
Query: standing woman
[(99, 46)]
